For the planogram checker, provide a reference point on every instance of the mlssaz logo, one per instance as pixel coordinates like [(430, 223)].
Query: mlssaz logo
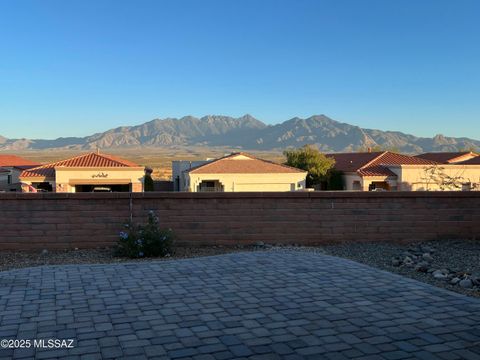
[(100, 175), (53, 343)]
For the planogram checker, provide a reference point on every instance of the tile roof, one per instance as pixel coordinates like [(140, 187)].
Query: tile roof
[(87, 160), (375, 163), (446, 157), (472, 161), (376, 170), (229, 165), (390, 158), (16, 161), (379, 166), (351, 162)]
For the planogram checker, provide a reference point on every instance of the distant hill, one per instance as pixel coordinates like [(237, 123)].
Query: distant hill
[(247, 133)]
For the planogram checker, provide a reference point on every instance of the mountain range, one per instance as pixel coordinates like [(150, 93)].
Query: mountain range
[(248, 133)]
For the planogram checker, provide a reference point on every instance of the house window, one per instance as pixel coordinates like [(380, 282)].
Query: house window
[(210, 186), (43, 186), (379, 186), (9, 179)]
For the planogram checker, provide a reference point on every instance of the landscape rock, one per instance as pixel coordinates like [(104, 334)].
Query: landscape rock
[(439, 274), (452, 262), (475, 280), (427, 257), (396, 262), (427, 249), (466, 283), (422, 266), (455, 281)]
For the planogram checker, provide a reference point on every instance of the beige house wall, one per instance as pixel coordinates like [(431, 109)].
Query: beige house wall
[(350, 178), (367, 180), (250, 182), (179, 172), (417, 178), (14, 172), (15, 175), (3, 180), (14, 183), (67, 178)]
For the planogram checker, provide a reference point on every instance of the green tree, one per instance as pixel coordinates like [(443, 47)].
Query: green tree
[(310, 159)]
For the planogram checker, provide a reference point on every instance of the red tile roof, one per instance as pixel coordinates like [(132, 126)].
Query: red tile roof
[(16, 161), (446, 157), (252, 165), (87, 160), (375, 163), (379, 166), (376, 170), (351, 162), (390, 158)]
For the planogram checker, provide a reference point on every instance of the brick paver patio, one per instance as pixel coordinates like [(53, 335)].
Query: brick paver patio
[(259, 305)]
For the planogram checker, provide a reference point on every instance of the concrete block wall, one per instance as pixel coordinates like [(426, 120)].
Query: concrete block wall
[(90, 220)]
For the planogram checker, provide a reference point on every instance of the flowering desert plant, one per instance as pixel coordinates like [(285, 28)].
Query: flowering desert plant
[(148, 240)]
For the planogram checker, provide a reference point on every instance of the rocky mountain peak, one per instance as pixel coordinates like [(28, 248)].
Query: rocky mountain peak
[(247, 132)]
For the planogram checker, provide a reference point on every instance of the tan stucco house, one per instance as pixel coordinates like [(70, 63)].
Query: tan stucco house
[(92, 172), (237, 172), (391, 171), (11, 166)]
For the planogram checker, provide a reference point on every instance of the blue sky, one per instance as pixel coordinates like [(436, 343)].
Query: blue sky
[(72, 68)]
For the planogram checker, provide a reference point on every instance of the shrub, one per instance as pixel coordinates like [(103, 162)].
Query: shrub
[(148, 240), (147, 180), (335, 180)]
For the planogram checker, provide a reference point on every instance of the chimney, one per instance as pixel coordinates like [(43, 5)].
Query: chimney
[(98, 150)]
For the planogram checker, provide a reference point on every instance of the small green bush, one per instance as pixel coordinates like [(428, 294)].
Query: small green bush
[(148, 183), (148, 240)]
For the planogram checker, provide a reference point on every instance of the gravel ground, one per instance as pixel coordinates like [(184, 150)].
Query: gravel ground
[(15, 259), (455, 255)]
